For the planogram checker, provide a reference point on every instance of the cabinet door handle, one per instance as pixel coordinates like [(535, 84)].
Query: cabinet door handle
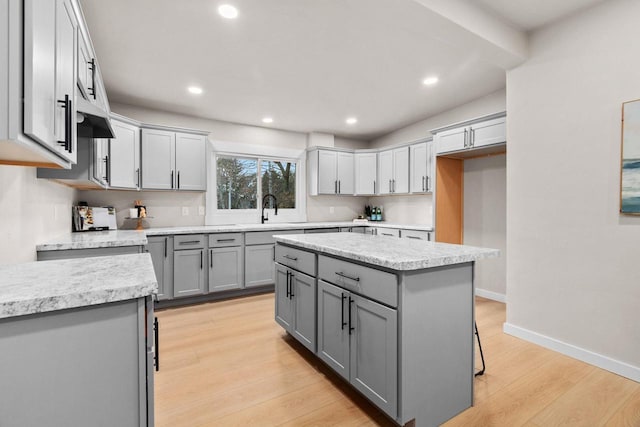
[(108, 169), (344, 297), (287, 256), (374, 186), (190, 242), (339, 187), (288, 272), (350, 327), (165, 246), (201, 261), (423, 184), (225, 240), (92, 67), (394, 185), (413, 237), (389, 186), (156, 327), (472, 137), (178, 180), (138, 177), (341, 274), (66, 104), (335, 187), (465, 138), (211, 258), (172, 179), (387, 234), (427, 186)]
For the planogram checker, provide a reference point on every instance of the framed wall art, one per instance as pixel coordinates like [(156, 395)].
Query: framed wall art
[(630, 168)]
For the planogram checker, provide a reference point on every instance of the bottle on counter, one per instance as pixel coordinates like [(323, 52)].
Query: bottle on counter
[(374, 213), (379, 214)]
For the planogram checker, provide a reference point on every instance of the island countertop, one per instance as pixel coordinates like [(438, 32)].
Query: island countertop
[(95, 239), (43, 286), (395, 254)]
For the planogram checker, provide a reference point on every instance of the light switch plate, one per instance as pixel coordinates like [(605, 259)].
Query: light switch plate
[(332, 210), (185, 211), (200, 210)]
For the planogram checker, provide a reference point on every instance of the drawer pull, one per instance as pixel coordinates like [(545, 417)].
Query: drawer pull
[(225, 240), (190, 242), (387, 234), (341, 274), (414, 237), (290, 257)]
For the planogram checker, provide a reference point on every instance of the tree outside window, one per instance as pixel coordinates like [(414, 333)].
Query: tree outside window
[(279, 179)]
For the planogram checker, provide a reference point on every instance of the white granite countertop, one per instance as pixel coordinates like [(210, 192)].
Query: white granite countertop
[(42, 286), (116, 238), (95, 239), (395, 254)]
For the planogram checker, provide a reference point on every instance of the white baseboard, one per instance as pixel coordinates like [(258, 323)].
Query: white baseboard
[(491, 295), (604, 362)]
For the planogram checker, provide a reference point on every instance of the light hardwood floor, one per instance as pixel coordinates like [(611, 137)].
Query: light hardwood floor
[(229, 364)]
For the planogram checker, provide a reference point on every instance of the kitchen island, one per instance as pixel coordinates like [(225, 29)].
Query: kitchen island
[(393, 317), (76, 342)]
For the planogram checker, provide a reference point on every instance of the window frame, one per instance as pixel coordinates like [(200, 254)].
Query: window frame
[(252, 216)]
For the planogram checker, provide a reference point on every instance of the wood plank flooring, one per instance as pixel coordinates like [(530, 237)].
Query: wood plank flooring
[(229, 364)]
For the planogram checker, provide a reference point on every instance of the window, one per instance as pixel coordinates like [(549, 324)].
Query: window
[(237, 183)]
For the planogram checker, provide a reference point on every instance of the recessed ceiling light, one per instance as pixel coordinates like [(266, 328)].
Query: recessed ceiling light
[(351, 121), (195, 90), (267, 120), (228, 11), (430, 81)]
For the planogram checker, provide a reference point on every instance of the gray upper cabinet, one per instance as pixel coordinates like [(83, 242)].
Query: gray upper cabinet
[(421, 176), (189, 272), (161, 250), (366, 168), (124, 156), (331, 172), (472, 135), (393, 171), (158, 151), (225, 268), (50, 47), (173, 161)]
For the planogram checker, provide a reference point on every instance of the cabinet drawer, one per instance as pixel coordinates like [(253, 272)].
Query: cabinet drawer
[(414, 234), (265, 237), (297, 259), (225, 239), (188, 241), (389, 232), (369, 282)]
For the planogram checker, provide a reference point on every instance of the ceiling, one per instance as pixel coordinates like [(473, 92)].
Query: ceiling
[(307, 64), (531, 14)]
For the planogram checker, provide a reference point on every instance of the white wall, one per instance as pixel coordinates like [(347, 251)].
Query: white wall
[(485, 220), (418, 209), (32, 212), (573, 276)]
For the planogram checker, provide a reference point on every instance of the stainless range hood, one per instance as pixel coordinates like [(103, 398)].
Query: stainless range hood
[(93, 122)]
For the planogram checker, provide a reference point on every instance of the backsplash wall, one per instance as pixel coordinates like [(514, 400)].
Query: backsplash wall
[(33, 211)]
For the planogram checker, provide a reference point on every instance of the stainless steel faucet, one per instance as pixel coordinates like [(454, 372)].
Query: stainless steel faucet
[(265, 199)]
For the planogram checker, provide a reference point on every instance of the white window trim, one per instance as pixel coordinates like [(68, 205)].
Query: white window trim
[(217, 216)]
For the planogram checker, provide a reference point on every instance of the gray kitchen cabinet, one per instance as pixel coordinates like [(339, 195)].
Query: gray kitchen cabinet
[(124, 156), (415, 234), (158, 151), (173, 160), (389, 232), (331, 172), (393, 171), (472, 135), (259, 265), (421, 156), (88, 366), (161, 250), (189, 272), (50, 74), (225, 268), (358, 338), (296, 304), (366, 173)]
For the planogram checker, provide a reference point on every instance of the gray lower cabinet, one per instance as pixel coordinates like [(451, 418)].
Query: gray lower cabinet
[(296, 304), (225, 268), (87, 366), (259, 261), (358, 338), (189, 272), (161, 250)]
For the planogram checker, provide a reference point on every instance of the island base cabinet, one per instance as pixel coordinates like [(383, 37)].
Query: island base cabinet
[(358, 338), (296, 305), (76, 367), (225, 268)]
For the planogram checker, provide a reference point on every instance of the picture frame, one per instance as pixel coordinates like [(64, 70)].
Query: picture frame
[(630, 159)]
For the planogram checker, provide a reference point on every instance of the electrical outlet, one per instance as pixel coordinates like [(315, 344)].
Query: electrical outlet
[(185, 211), (200, 210), (332, 209)]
